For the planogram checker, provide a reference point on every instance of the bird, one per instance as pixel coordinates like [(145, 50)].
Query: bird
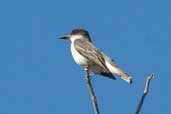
[(91, 58)]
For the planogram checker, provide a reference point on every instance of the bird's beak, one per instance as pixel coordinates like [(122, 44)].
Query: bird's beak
[(66, 37)]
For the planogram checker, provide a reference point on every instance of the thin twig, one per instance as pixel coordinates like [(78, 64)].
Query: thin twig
[(93, 97), (146, 89)]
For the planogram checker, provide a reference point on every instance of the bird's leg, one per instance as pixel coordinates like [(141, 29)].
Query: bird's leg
[(93, 97)]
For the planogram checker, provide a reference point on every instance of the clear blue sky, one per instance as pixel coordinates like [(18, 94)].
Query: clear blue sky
[(39, 76)]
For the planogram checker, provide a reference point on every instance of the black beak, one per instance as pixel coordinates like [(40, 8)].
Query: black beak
[(66, 37)]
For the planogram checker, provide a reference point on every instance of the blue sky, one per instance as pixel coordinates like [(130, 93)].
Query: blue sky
[(39, 76)]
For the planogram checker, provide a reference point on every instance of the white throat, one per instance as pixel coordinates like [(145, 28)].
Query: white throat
[(79, 59), (75, 37)]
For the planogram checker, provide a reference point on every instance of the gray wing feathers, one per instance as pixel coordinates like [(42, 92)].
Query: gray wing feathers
[(88, 50)]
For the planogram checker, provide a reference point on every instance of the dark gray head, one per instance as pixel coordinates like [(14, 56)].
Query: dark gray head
[(77, 34)]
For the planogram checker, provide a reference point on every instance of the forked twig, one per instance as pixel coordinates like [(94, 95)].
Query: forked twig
[(93, 97), (146, 89)]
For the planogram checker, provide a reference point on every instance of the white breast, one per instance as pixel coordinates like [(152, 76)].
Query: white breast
[(79, 59)]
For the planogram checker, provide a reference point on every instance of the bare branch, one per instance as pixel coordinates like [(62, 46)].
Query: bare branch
[(146, 89), (93, 97)]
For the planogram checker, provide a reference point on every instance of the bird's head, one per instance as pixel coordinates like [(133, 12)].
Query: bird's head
[(76, 34)]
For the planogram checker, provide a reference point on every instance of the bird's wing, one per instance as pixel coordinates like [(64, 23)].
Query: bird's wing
[(111, 61), (88, 50)]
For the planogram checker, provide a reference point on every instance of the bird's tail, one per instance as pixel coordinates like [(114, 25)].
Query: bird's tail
[(122, 74), (125, 76), (113, 68)]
